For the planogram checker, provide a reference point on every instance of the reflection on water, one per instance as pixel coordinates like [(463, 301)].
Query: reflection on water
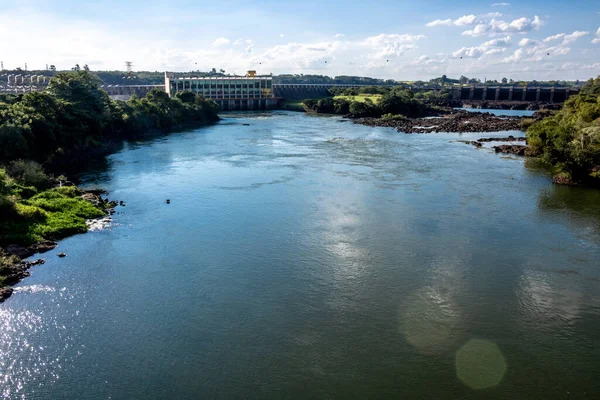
[(548, 300), (34, 347), (430, 321), (304, 258)]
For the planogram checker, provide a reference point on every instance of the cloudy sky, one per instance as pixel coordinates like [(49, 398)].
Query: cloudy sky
[(417, 39)]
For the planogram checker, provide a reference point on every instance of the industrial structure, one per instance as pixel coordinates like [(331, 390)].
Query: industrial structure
[(514, 93), (22, 83), (250, 92)]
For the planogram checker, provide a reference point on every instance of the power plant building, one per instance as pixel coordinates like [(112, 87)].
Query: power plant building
[(250, 92)]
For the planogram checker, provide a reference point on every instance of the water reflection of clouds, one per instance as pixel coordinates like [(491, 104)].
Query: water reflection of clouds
[(429, 321), (548, 300), (341, 238), (431, 318)]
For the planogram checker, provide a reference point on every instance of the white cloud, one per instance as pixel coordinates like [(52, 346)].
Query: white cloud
[(491, 47), (479, 30), (527, 42), (440, 22), (220, 42), (544, 50), (466, 20), (281, 35), (554, 37), (566, 38), (491, 15), (575, 35), (386, 45), (598, 32), (494, 27), (505, 41), (338, 35), (500, 4), (596, 40)]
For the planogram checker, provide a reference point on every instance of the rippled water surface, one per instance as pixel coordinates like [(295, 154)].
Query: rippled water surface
[(307, 257)]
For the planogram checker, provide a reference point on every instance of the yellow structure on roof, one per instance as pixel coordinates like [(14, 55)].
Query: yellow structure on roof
[(250, 74)]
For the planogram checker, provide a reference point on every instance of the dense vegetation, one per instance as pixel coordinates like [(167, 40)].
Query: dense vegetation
[(74, 115), (570, 140), (359, 103)]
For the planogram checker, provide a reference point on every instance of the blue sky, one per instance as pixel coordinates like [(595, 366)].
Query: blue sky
[(387, 39)]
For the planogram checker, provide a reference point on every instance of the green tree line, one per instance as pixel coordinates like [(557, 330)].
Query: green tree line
[(74, 115), (570, 140), (394, 101)]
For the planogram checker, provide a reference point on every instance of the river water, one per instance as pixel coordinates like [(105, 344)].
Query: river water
[(307, 257)]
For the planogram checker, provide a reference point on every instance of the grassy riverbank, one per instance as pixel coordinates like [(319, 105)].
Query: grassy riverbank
[(34, 209), (362, 98)]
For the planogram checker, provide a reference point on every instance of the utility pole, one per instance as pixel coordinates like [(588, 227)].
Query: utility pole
[(1, 65), (25, 66)]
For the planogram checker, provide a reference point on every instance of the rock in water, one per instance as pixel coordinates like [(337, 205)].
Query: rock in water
[(512, 149), (5, 293), (61, 255), (24, 252)]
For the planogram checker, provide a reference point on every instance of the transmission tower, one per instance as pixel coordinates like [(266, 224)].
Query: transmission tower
[(129, 68)]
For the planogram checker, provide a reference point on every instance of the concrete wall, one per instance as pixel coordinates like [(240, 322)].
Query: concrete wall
[(514, 93), (300, 92), (248, 104)]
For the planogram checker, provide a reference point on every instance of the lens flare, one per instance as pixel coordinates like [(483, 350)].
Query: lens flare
[(480, 364)]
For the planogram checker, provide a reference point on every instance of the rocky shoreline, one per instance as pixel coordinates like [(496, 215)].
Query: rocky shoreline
[(457, 121), (495, 104), (15, 268)]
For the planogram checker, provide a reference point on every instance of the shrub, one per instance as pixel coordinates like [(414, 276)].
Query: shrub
[(7, 207), (30, 213), (28, 173), (526, 123), (24, 192)]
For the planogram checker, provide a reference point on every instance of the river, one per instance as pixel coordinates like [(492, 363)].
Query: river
[(306, 257)]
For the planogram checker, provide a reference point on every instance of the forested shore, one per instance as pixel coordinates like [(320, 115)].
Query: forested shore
[(569, 141)]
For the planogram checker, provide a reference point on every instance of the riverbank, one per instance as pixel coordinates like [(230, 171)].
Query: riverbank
[(31, 225), (456, 121)]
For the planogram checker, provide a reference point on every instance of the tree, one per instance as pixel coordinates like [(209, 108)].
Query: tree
[(570, 140), (463, 79), (186, 97), (76, 67), (504, 81), (53, 68), (86, 68)]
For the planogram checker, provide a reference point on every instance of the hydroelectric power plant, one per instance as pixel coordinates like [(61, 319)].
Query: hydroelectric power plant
[(250, 92)]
